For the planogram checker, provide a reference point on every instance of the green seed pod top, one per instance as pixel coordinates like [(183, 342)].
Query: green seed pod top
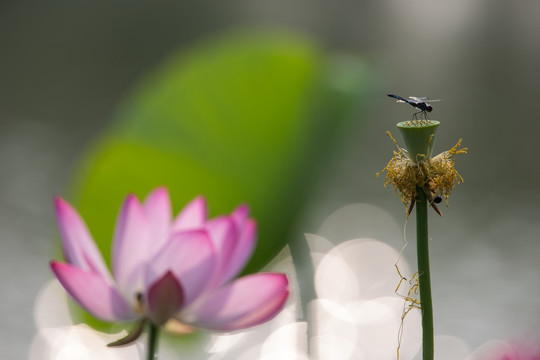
[(419, 136)]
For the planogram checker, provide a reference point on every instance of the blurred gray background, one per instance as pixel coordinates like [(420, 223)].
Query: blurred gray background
[(66, 65)]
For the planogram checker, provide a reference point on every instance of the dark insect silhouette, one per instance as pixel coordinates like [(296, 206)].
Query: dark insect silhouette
[(422, 104)]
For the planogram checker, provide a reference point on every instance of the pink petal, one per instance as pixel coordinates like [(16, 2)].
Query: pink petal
[(79, 247), (240, 214), (93, 293), (157, 207), (193, 216), (164, 299), (191, 257), (133, 246), (222, 231), (246, 302), (243, 249)]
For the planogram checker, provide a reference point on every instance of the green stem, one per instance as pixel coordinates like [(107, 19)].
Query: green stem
[(305, 272), (152, 341), (424, 278)]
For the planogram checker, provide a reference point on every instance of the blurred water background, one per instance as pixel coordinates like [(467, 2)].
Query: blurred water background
[(66, 66)]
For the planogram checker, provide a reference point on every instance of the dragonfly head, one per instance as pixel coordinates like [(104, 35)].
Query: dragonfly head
[(429, 108)]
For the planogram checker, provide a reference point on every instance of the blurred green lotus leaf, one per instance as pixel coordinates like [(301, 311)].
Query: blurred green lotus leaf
[(240, 119)]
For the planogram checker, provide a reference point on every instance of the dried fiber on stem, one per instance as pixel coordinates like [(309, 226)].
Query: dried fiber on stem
[(435, 175)]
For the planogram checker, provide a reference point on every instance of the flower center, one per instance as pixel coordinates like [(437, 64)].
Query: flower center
[(139, 303)]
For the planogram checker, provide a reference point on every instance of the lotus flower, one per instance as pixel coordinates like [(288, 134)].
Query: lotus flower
[(516, 350), (169, 270)]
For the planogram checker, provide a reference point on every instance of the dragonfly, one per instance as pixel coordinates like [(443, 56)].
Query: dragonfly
[(421, 103)]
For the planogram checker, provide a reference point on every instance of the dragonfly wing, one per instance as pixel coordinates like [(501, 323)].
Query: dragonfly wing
[(423, 99), (418, 99)]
